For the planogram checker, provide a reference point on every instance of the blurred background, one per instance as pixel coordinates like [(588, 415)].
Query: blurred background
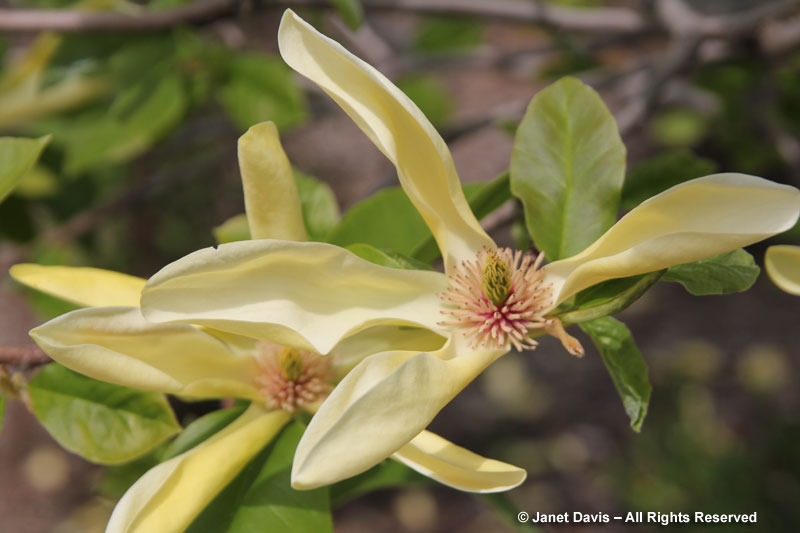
[(145, 101)]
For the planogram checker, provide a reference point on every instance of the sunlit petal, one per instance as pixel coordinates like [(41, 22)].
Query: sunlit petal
[(83, 286), (116, 344), (691, 221), (783, 267), (270, 193), (379, 407), (397, 127), (352, 350), (431, 455), (169, 496), (307, 295)]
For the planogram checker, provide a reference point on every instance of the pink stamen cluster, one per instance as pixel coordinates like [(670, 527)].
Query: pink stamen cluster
[(292, 379), (507, 323)]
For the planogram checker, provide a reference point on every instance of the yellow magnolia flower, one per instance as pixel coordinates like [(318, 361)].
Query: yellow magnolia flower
[(312, 295), (783, 267), (111, 341)]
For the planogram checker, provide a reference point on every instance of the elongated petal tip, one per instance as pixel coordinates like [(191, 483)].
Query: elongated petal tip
[(782, 263)]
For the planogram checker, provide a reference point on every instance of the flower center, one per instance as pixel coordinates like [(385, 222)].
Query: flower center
[(499, 297), (292, 379), (495, 278)]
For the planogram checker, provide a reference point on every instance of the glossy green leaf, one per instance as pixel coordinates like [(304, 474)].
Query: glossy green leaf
[(320, 209), (388, 220), (17, 157), (201, 429), (386, 258), (567, 168), (656, 175), (260, 88), (609, 297), (624, 363), (386, 475), (726, 273), (234, 229), (351, 12), (101, 422), (261, 497)]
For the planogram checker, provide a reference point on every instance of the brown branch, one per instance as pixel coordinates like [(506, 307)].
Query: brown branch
[(23, 356), (607, 20)]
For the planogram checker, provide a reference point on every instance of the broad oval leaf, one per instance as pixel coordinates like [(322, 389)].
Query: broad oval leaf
[(726, 273), (567, 168), (261, 497), (386, 258), (101, 422), (200, 430), (625, 364), (17, 157)]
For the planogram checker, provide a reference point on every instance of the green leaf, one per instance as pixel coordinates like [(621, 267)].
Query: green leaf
[(430, 95), (103, 423), (625, 364), (678, 127), (656, 175), (320, 209), (386, 258), (388, 219), (200, 430), (234, 229), (17, 157), (567, 168), (260, 88), (726, 273), (351, 12), (609, 297), (139, 117), (437, 35), (261, 498), (386, 475)]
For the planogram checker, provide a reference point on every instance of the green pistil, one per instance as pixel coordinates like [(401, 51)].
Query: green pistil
[(496, 279), (291, 363)]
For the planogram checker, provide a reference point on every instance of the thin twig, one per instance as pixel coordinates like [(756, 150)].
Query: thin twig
[(606, 20), (23, 356)]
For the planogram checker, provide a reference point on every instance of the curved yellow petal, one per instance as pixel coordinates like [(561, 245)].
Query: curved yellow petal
[(353, 349), (783, 267), (83, 286), (171, 495), (379, 407), (694, 220), (116, 344), (308, 295), (439, 459), (271, 199), (397, 127)]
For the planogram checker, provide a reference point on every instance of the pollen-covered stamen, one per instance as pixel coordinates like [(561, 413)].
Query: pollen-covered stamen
[(292, 379), (498, 298)]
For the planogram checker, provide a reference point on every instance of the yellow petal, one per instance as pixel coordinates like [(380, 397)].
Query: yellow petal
[(116, 344), (307, 295), (431, 455), (397, 127), (271, 199), (352, 350), (783, 267), (169, 496), (379, 407), (691, 221), (84, 286)]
